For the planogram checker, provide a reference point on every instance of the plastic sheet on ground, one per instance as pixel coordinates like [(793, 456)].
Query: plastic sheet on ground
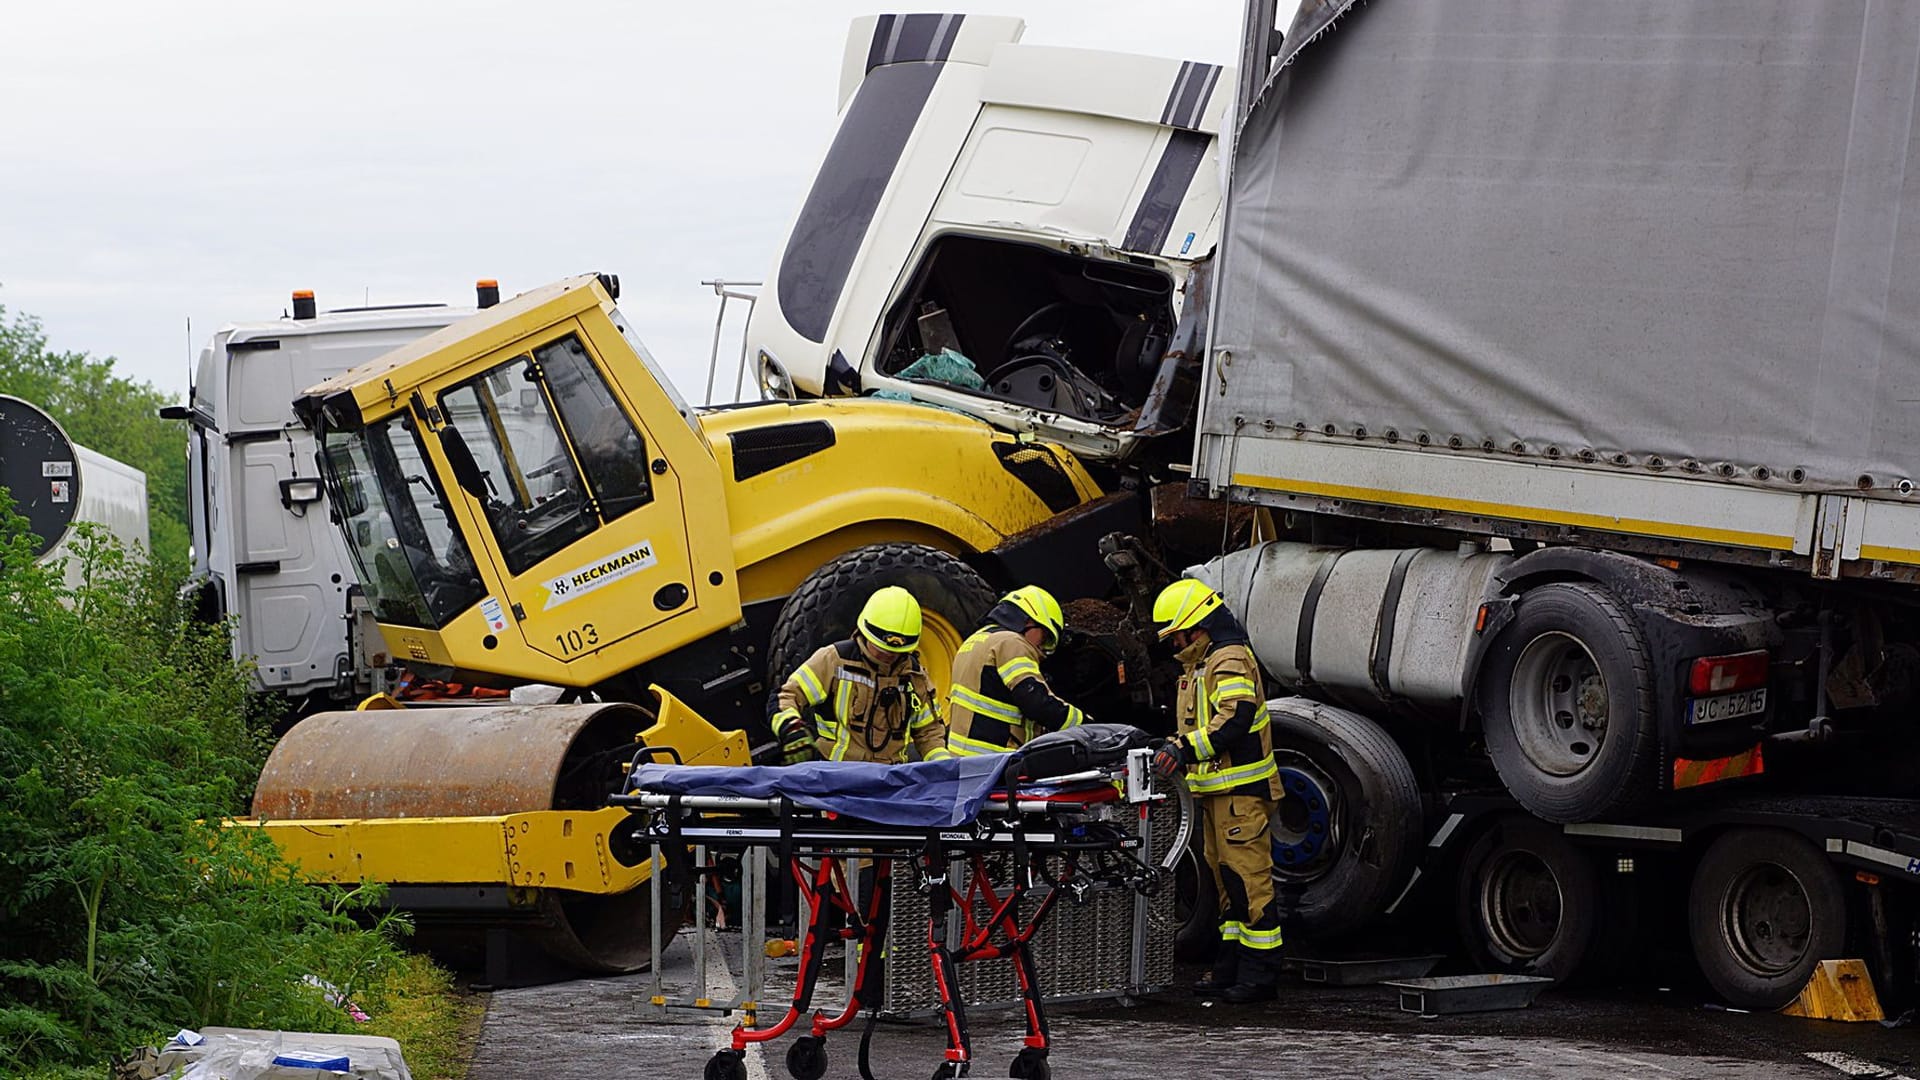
[(246, 1054)]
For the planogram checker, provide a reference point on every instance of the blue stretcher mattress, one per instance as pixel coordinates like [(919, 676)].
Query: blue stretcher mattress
[(922, 794)]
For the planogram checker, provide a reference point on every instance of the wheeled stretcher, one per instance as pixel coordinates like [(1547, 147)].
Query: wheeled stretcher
[(1061, 817)]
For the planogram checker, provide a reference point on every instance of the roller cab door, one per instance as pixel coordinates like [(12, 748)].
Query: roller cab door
[(583, 516)]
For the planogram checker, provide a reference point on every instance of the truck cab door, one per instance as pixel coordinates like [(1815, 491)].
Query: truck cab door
[(578, 508)]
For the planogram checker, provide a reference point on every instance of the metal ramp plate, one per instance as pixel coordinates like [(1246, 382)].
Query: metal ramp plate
[(1365, 971), (1468, 993)]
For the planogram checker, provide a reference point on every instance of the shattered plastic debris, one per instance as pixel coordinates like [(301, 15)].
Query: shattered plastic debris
[(946, 366), (336, 998)]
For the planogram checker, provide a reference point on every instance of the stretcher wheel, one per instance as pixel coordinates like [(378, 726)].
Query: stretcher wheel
[(1031, 1064), (950, 1070), (807, 1058), (727, 1065)]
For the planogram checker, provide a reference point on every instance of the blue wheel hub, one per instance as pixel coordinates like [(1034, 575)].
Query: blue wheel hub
[(1302, 831)]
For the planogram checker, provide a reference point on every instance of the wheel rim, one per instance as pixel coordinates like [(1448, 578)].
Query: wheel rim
[(1558, 704), (1520, 904), (1767, 920), (939, 643), (1305, 828)]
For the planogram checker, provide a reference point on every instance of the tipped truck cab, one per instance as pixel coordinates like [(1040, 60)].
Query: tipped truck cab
[(1037, 210)]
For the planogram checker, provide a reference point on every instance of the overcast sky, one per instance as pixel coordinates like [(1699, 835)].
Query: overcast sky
[(167, 161)]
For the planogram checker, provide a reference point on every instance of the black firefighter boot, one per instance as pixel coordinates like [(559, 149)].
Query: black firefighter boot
[(1259, 977), (1225, 973)]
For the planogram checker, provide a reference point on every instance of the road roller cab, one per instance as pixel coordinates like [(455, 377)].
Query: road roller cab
[(526, 499), (494, 480)]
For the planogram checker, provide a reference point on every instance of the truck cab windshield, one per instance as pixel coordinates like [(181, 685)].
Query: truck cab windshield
[(413, 564)]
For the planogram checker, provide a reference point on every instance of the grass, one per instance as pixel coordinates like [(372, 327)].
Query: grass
[(436, 1023)]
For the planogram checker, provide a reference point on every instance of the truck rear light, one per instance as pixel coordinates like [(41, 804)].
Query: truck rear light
[(1724, 674), (303, 304)]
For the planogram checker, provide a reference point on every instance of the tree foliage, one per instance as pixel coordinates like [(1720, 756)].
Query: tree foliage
[(126, 909), (117, 416)]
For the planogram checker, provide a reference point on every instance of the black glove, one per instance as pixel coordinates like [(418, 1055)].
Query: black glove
[(796, 741), (1166, 760)]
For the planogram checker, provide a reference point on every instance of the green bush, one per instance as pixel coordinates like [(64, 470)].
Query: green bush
[(126, 910)]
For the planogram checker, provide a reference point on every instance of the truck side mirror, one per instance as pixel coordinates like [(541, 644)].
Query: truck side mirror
[(466, 471)]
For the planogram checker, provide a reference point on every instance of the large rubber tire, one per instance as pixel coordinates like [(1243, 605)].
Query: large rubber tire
[(823, 609), (1529, 902), (1566, 706), (1197, 941), (1367, 829), (1766, 907)]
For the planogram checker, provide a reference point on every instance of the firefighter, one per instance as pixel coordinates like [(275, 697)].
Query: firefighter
[(1225, 744), (999, 699), (865, 698)]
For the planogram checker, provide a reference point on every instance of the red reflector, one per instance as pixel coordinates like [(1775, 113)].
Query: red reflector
[(1688, 773), (1480, 620), (1724, 674)]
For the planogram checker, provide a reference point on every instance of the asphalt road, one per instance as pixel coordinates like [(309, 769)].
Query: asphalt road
[(591, 1029)]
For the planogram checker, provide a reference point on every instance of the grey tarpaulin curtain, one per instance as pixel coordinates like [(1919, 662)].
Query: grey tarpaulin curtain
[(1661, 228)]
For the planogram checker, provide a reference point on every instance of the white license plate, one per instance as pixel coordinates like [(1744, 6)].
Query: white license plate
[(1726, 706)]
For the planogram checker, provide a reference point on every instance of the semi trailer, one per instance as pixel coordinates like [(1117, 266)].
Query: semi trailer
[(1568, 347)]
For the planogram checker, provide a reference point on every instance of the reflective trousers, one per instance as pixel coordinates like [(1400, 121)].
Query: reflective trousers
[(1239, 851)]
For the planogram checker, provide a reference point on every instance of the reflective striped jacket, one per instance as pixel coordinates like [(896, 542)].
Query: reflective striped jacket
[(1231, 756), (989, 674), (862, 712)]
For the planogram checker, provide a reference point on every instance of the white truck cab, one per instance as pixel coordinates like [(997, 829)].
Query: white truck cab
[(264, 550), (1035, 210)]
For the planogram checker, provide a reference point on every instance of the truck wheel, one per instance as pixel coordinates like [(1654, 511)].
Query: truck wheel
[(953, 599), (1765, 909), (1566, 706), (1527, 900), (1350, 822)]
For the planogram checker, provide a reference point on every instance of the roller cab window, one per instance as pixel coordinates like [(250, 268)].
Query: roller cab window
[(410, 559), (556, 454)]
